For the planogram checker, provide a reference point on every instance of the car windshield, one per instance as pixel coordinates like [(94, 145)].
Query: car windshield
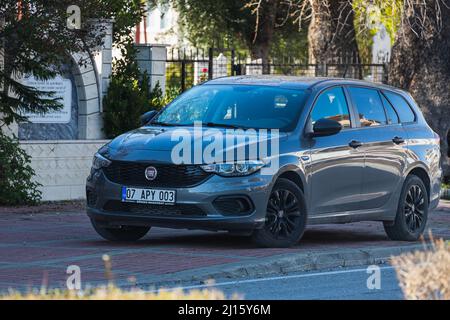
[(235, 106)]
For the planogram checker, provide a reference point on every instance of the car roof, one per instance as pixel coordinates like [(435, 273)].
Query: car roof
[(295, 82)]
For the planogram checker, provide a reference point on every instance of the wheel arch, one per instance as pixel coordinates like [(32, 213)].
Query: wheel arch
[(420, 171), (294, 177)]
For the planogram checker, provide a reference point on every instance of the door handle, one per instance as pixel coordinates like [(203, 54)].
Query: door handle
[(355, 144), (398, 140)]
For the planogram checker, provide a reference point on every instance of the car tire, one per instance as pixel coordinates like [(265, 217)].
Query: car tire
[(412, 211), (285, 217), (123, 233)]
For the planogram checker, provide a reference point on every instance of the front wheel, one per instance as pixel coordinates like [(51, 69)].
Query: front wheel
[(285, 217), (122, 233), (412, 212)]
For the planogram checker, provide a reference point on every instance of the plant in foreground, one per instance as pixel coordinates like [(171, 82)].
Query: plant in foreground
[(112, 292), (16, 174), (425, 275)]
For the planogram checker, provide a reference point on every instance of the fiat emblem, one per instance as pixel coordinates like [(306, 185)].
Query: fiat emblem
[(150, 173)]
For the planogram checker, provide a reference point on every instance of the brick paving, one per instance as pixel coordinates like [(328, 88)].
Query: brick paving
[(36, 249)]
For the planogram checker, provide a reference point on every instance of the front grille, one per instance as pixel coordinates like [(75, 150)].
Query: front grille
[(169, 175), (154, 209)]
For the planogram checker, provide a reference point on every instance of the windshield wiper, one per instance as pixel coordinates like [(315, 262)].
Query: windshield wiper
[(163, 124), (223, 125)]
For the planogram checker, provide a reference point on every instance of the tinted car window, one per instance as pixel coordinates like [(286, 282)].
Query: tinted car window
[(332, 104), (246, 106), (403, 109), (391, 113), (370, 109)]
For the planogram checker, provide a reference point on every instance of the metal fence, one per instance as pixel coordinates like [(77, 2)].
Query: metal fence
[(186, 68)]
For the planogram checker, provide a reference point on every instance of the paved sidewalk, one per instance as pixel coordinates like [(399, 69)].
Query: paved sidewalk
[(37, 249)]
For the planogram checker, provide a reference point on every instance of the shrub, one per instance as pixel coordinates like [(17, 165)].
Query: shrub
[(127, 100), (123, 105), (425, 274), (16, 174), (158, 100)]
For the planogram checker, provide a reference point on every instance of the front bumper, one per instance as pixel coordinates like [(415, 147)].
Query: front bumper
[(254, 187)]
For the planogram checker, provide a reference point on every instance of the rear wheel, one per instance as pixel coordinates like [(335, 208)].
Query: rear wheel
[(285, 217), (412, 211), (122, 233)]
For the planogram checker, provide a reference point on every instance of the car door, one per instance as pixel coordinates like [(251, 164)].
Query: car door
[(336, 162), (383, 144)]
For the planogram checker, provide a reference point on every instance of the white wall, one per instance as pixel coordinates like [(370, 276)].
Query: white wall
[(62, 166)]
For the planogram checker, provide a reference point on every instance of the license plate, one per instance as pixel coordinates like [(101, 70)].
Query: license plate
[(155, 196)]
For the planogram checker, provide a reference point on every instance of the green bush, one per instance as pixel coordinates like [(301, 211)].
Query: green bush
[(123, 105), (16, 184), (128, 95), (127, 100), (158, 100)]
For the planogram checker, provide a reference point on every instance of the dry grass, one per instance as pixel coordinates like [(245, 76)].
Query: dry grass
[(425, 275), (110, 292)]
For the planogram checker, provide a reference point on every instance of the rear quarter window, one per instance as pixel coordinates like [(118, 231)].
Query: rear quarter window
[(402, 107)]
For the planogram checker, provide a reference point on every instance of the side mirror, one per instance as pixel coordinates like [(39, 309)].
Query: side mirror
[(146, 117), (326, 127)]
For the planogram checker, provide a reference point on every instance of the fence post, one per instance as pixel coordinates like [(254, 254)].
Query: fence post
[(210, 63), (385, 72), (321, 69), (183, 74), (233, 63)]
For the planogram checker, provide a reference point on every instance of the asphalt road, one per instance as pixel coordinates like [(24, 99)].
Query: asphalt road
[(342, 283)]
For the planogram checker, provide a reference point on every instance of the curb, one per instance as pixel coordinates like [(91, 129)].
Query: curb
[(279, 265)]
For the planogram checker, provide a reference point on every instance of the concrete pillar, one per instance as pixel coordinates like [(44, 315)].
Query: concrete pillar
[(92, 81), (152, 58)]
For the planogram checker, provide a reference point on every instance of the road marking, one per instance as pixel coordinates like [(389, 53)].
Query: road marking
[(296, 276)]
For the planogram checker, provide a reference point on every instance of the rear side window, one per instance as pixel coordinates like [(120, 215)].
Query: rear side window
[(401, 106), (369, 105), (390, 111)]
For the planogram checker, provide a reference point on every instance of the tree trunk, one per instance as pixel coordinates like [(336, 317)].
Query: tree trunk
[(331, 35), (262, 40), (420, 64)]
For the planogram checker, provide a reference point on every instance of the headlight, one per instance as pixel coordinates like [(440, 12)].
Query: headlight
[(243, 168), (100, 161)]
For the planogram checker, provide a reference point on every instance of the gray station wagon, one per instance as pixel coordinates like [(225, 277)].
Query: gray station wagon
[(347, 151)]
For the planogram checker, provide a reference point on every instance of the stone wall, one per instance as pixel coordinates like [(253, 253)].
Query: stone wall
[(62, 166), (151, 58)]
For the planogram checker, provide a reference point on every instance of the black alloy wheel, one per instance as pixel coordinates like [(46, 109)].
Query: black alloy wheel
[(285, 216)]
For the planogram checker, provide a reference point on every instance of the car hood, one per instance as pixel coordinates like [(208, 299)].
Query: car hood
[(157, 143)]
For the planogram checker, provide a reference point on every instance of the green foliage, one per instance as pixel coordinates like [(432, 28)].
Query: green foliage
[(215, 23), (292, 43), (159, 100), (123, 105), (126, 100), (370, 13), (38, 42), (16, 184), (230, 24)]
